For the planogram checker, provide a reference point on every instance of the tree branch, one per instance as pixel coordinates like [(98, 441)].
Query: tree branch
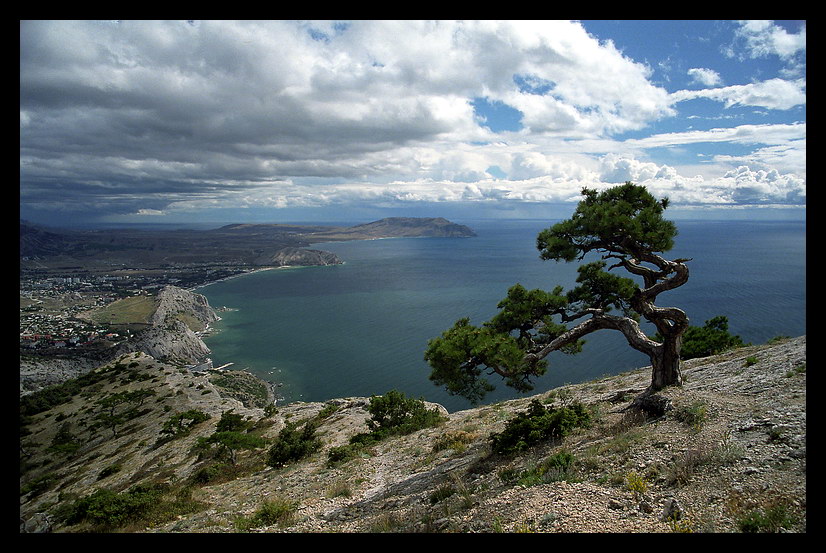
[(630, 329)]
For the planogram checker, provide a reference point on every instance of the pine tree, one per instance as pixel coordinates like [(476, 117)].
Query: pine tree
[(625, 225)]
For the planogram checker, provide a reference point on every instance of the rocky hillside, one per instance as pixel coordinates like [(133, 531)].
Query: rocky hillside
[(727, 455), (173, 303)]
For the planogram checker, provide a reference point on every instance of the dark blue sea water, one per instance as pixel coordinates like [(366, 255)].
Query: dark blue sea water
[(361, 328)]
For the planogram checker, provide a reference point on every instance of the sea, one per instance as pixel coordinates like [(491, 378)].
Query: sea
[(361, 328)]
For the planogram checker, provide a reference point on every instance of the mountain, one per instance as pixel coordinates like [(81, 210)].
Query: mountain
[(391, 227), (406, 227), (236, 244), (38, 241)]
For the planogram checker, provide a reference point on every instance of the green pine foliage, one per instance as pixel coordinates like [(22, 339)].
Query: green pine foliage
[(180, 423), (293, 444), (232, 422), (539, 423), (106, 510), (392, 414), (625, 224), (395, 413)]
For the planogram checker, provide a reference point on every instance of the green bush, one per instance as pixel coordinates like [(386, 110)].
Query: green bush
[(38, 485), (555, 468), (232, 422), (395, 413), (694, 415), (293, 444), (341, 454), (46, 398), (180, 423), (215, 472), (769, 520), (105, 509), (229, 443), (110, 509), (710, 339), (64, 441), (392, 414), (110, 470), (442, 492), (273, 511), (537, 424)]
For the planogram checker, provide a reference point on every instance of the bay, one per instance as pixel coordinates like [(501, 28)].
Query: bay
[(361, 328)]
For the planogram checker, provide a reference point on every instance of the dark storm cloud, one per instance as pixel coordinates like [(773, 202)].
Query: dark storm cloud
[(150, 115)]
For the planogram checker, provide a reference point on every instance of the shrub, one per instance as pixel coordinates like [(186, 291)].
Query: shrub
[(39, 484), (457, 441), (107, 508), (537, 424), (341, 454), (216, 472), (230, 442), (180, 424), (64, 441), (232, 422), (635, 484), (395, 413), (711, 338), (442, 492), (693, 415), (143, 503), (108, 471), (272, 511), (555, 468), (769, 520), (293, 444)]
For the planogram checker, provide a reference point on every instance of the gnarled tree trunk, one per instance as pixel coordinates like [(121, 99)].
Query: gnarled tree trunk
[(665, 356), (665, 365)]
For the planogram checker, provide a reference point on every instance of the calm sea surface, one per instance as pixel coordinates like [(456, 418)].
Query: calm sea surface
[(361, 328)]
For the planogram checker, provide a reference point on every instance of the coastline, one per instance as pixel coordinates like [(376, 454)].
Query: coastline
[(241, 274)]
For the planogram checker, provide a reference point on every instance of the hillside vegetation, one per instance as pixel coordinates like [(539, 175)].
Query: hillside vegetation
[(144, 446)]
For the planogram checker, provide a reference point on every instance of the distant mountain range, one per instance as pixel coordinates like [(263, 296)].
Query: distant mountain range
[(242, 244)]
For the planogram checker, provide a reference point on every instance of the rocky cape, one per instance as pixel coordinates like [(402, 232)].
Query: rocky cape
[(170, 334), (730, 443)]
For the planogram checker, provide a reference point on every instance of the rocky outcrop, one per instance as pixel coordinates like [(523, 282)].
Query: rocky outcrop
[(176, 303), (299, 257), (174, 341), (40, 372)]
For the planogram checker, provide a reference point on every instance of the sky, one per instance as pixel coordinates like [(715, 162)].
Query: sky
[(281, 121)]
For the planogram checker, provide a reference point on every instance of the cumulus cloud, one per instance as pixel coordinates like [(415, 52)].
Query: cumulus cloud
[(619, 169), (773, 94), (158, 117), (705, 77), (765, 38)]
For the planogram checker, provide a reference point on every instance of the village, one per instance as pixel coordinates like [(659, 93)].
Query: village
[(51, 304)]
